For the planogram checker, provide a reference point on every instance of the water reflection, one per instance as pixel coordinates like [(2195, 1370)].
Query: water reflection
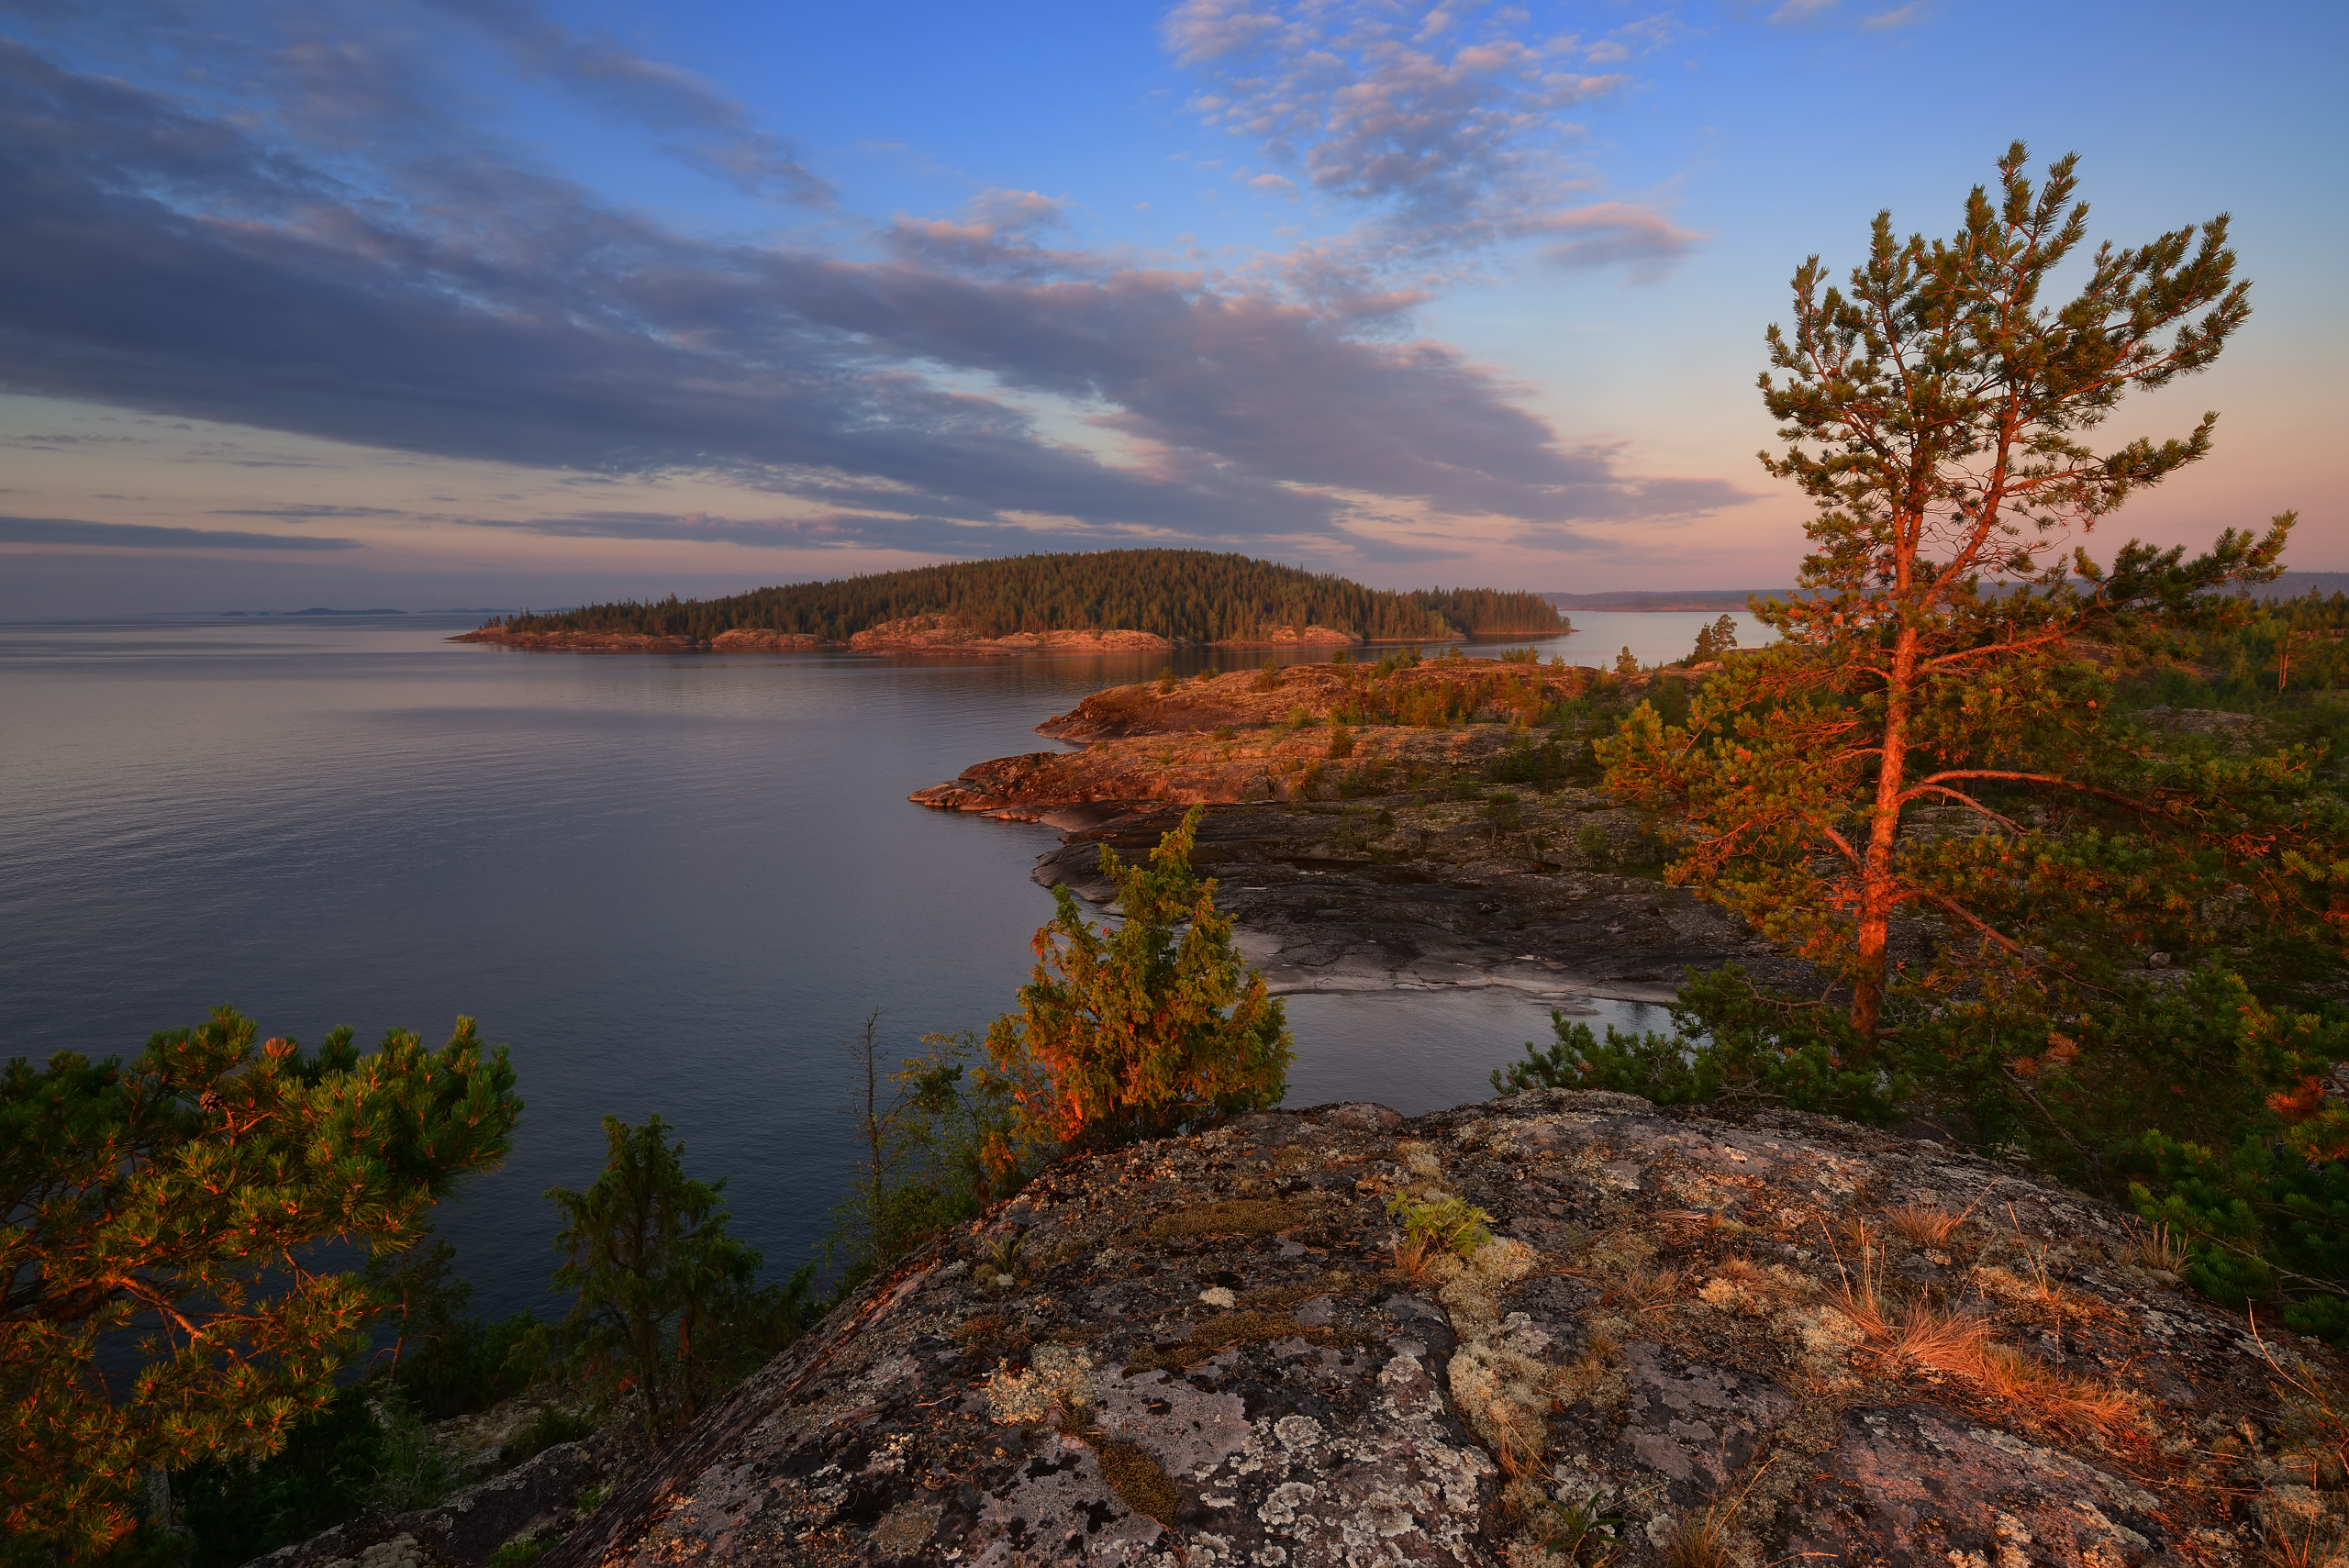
[(672, 883)]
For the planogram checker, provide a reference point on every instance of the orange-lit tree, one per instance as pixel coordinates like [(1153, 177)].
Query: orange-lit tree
[(173, 1200), (1929, 742), (1139, 1032)]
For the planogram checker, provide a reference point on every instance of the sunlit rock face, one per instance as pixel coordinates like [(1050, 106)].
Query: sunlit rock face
[(1699, 1340)]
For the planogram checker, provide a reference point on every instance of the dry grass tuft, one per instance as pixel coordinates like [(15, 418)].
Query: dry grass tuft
[(2161, 1246), (1707, 1539), (1649, 1290), (1923, 1224), (1702, 1540), (1861, 1299), (2317, 1541), (1960, 1346)]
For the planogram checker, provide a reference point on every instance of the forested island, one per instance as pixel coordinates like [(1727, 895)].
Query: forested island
[(1109, 600)]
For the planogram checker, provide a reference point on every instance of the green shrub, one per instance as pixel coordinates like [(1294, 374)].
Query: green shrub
[(1449, 1222)]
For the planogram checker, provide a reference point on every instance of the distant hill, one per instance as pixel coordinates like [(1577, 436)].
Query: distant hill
[(2298, 585), (1679, 599), (1190, 596)]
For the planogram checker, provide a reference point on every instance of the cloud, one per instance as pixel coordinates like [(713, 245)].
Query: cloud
[(425, 291), (1447, 126), (142, 536), (1899, 17), (305, 513), (1609, 233), (695, 122)]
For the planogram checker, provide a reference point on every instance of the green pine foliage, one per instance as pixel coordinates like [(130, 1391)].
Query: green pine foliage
[(1190, 595), (158, 1206), (1151, 1028), (667, 1311)]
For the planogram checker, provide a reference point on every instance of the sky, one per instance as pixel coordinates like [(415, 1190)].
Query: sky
[(423, 302)]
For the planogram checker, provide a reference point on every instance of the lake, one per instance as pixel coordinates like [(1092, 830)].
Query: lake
[(670, 884)]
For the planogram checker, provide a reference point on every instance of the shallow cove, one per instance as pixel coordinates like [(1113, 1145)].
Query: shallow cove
[(672, 883)]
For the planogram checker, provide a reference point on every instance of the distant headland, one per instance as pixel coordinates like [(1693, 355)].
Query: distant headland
[(1115, 601)]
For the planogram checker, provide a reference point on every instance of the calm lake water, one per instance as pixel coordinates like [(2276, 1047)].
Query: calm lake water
[(671, 885)]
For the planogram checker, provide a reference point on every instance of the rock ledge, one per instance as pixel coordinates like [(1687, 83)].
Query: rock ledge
[(1697, 1339)]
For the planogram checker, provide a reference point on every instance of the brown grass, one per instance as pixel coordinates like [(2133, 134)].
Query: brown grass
[(2158, 1247), (1233, 1216), (1923, 1224), (1960, 1346), (1707, 1539), (990, 1336), (2316, 1426), (1413, 1253), (2317, 1543), (1285, 1297), (1649, 1290), (1861, 1299), (1702, 1540), (1139, 1480)]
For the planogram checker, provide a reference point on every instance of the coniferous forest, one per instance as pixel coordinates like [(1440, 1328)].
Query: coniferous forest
[(1190, 595)]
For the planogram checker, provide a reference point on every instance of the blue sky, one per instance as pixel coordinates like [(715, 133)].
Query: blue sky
[(424, 304)]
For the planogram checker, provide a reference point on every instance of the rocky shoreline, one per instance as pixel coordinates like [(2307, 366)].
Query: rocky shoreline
[(916, 634), (1371, 871)]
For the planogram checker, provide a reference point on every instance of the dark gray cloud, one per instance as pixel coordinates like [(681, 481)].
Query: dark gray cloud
[(142, 536), (270, 265)]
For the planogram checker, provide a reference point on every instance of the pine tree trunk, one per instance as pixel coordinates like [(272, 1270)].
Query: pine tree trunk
[(1877, 887)]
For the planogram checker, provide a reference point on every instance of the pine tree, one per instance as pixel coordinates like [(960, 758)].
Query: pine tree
[(1934, 659), (183, 1190), (667, 1310), (1143, 1031)]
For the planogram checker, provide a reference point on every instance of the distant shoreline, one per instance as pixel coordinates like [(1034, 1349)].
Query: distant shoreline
[(1691, 599), (932, 636)]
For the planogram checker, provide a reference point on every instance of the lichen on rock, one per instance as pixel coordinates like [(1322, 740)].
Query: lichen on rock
[(1212, 1357)]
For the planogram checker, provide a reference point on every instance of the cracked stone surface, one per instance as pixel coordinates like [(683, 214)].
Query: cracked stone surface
[(1210, 1355)]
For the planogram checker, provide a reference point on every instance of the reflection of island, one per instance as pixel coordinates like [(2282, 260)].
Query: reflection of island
[(1446, 830), (1117, 601)]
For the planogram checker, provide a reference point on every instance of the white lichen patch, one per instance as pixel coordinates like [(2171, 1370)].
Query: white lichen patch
[(1823, 1340), (1187, 1430)]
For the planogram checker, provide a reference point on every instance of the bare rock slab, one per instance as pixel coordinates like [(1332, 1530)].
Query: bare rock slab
[(1688, 1339)]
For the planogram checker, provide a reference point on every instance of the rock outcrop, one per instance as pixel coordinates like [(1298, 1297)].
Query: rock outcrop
[(538, 1500), (1684, 1338), (1366, 871)]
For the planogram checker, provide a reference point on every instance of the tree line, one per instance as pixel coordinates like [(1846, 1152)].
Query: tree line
[(1190, 595)]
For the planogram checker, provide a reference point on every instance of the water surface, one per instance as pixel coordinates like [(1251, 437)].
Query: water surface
[(671, 884)]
